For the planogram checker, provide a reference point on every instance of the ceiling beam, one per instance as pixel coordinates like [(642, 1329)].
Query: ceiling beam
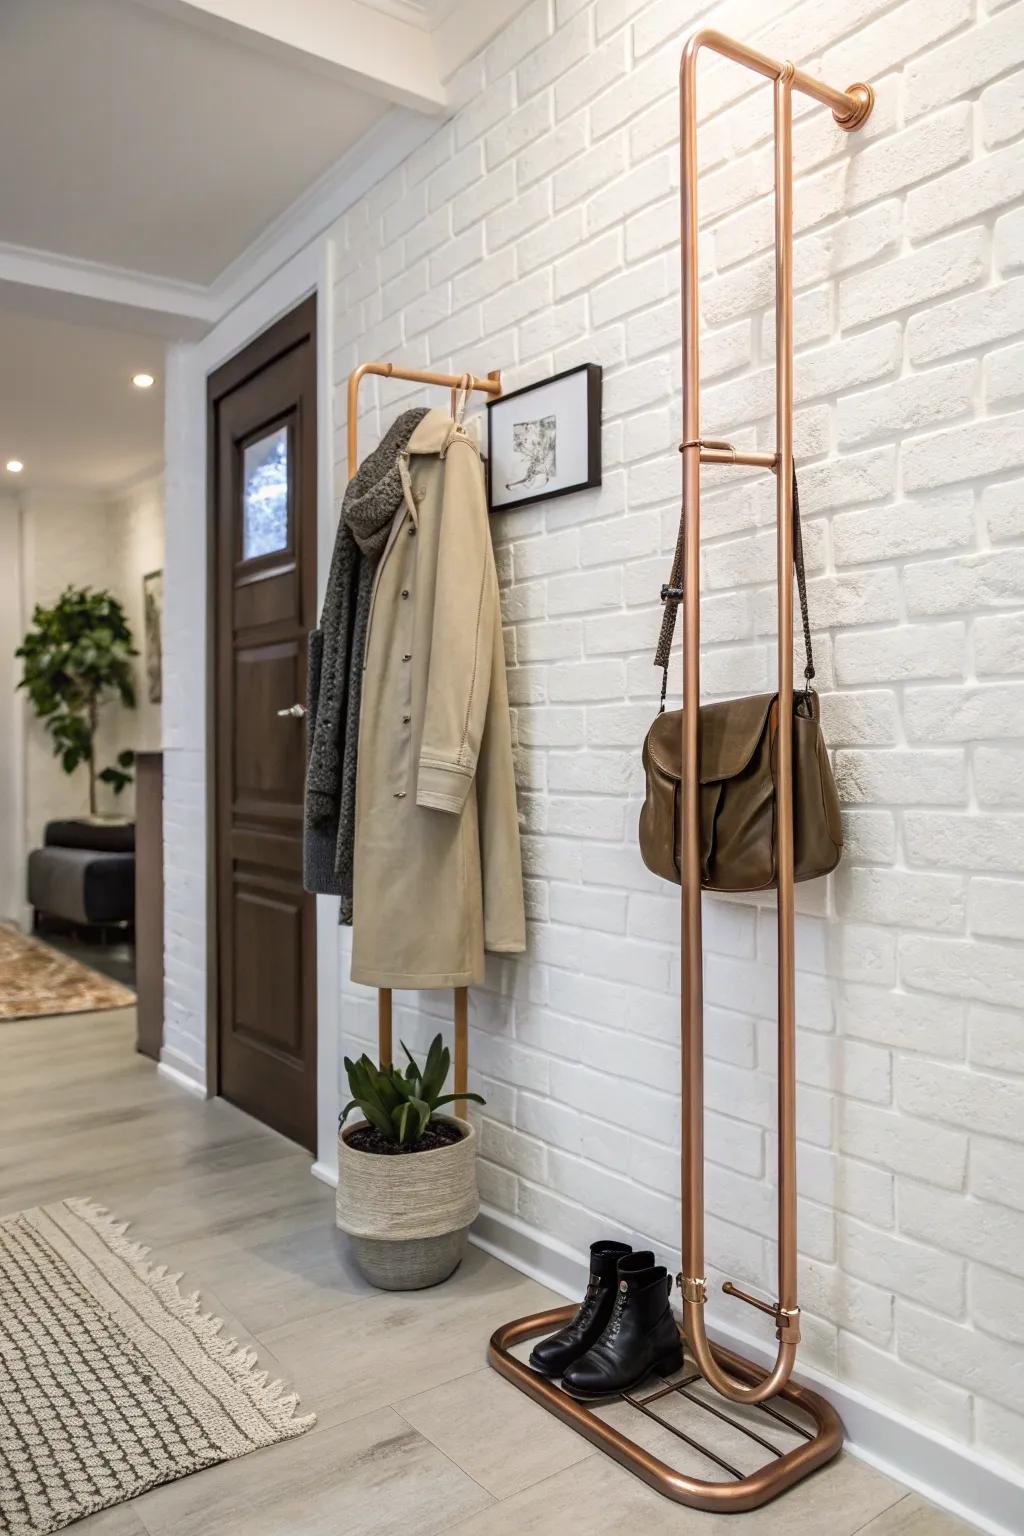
[(381, 49)]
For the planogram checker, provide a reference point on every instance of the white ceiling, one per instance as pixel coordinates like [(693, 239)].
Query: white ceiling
[(131, 137), (68, 408), (150, 152)]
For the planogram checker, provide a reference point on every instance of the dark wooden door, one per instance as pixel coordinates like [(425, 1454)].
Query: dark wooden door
[(263, 506)]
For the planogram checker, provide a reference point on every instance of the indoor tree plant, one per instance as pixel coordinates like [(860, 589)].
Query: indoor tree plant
[(78, 656), (407, 1190)]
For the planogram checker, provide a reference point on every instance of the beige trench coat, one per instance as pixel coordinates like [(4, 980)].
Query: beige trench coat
[(437, 872)]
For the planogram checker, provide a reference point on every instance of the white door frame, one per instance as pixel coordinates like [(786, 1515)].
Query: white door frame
[(190, 1010)]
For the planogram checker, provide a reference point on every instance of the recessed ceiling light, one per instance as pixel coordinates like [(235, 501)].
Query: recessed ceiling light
[(15, 466), (143, 380)]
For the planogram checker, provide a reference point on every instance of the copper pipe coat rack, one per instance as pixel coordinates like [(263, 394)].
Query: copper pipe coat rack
[(811, 1434), (470, 383)]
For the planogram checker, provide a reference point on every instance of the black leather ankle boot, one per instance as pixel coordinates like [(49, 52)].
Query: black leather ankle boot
[(551, 1356), (641, 1336)]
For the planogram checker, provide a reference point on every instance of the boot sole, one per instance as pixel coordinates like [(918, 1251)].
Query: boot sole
[(543, 1370), (663, 1367)]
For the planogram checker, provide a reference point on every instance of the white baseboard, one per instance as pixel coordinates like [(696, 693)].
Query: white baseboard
[(183, 1077), (969, 1485), (327, 1173)]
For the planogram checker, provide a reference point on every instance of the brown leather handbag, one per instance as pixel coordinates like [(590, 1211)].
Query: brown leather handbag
[(737, 755)]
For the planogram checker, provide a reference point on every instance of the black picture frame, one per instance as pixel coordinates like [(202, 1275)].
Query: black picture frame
[(591, 425)]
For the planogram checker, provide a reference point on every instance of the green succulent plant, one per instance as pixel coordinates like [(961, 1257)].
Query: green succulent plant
[(401, 1104)]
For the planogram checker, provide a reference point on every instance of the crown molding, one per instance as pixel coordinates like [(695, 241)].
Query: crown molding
[(428, 14), (91, 293), (416, 13), (322, 204), (45, 282), (70, 288)]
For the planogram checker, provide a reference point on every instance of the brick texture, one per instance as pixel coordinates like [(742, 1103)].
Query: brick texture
[(551, 233)]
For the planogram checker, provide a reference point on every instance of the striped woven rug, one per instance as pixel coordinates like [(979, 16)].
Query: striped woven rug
[(111, 1381)]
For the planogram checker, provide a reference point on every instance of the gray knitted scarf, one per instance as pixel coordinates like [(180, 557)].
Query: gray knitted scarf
[(372, 497)]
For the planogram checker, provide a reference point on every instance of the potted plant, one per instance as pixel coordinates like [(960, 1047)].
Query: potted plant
[(78, 655), (407, 1191)]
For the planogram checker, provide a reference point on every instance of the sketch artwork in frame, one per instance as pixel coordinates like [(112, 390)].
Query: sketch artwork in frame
[(545, 440), (152, 625)]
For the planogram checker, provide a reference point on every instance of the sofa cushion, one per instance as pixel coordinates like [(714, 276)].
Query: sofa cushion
[(106, 836), (82, 885)]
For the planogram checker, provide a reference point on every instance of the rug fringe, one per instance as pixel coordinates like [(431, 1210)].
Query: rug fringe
[(239, 1360)]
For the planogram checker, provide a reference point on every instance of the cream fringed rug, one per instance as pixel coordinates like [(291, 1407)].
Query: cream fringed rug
[(36, 980), (111, 1381)]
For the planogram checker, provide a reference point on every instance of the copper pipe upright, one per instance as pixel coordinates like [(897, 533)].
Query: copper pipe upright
[(692, 1058), (849, 109)]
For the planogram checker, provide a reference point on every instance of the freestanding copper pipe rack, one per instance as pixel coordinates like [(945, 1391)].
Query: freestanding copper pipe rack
[(815, 1433), (453, 381)]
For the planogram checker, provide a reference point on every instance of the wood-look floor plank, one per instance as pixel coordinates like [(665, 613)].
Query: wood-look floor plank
[(372, 1476), (414, 1432)]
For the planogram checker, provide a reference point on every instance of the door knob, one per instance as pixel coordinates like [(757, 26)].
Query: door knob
[(295, 710)]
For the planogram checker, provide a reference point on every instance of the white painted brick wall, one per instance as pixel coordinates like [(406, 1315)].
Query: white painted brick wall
[(538, 229)]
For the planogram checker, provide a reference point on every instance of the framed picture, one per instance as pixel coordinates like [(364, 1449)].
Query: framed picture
[(545, 440), (152, 623)]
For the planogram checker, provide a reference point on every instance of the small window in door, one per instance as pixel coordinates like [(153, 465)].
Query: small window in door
[(265, 495)]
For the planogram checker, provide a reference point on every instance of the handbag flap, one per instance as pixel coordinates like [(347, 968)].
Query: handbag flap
[(729, 734)]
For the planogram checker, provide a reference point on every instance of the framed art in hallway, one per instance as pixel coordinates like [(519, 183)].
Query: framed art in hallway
[(545, 440), (153, 624)]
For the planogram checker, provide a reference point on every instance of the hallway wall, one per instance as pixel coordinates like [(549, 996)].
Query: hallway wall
[(538, 229), (71, 539), (12, 724)]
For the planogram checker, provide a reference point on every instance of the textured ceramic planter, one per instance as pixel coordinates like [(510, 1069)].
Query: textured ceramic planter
[(408, 1215)]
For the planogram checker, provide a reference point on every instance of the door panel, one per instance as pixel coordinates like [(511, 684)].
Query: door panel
[(269, 773), (263, 503)]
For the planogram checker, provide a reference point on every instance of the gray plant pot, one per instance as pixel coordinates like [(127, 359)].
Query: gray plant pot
[(408, 1217)]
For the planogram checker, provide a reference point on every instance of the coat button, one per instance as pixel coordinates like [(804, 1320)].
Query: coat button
[(405, 591), (407, 656), (412, 530), (399, 794), (406, 719)]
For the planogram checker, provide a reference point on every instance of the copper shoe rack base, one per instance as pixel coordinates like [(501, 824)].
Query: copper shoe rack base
[(736, 1492), (736, 1380)]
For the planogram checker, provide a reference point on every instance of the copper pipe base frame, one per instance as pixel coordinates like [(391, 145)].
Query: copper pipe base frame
[(794, 1414)]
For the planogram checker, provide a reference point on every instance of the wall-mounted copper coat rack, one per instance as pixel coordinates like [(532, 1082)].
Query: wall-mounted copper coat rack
[(470, 383), (815, 1433)]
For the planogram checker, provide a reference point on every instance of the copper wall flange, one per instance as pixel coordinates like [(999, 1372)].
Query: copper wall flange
[(863, 98)]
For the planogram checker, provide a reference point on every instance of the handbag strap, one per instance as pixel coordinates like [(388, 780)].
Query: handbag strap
[(672, 596)]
